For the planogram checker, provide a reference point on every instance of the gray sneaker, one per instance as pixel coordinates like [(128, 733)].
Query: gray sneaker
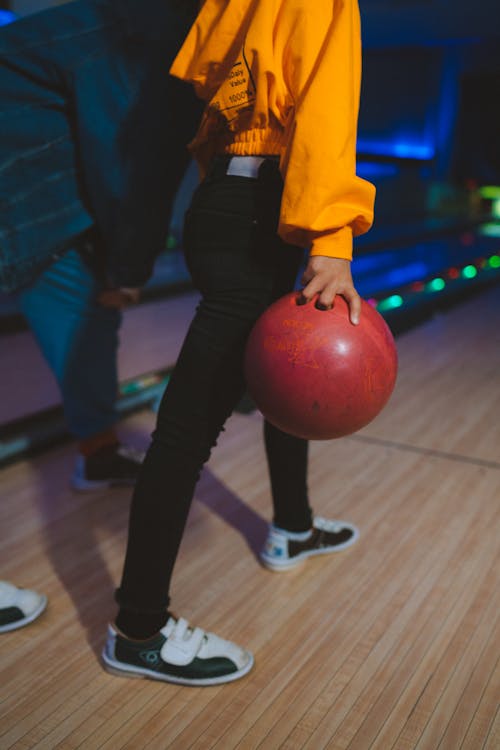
[(179, 654), (18, 607), (284, 550), (112, 466)]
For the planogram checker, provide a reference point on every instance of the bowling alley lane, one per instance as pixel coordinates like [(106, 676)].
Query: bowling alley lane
[(408, 282), (391, 643), (447, 397)]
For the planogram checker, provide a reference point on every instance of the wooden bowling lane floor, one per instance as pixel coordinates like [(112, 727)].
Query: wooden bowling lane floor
[(392, 644)]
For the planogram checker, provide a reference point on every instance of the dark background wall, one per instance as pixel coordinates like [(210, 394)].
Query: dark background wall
[(430, 107), (430, 102)]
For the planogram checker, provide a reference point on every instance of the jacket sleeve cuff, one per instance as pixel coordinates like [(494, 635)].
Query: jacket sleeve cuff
[(335, 245)]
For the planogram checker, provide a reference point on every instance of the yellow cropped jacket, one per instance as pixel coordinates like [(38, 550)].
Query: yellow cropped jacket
[(282, 77)]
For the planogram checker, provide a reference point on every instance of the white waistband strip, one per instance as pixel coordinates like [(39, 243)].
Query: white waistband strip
[(244, 166)]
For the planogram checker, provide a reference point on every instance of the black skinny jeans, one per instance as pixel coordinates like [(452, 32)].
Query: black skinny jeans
[(240, 265)]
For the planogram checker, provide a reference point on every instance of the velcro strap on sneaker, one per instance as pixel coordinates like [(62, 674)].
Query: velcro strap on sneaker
[(182, 646)]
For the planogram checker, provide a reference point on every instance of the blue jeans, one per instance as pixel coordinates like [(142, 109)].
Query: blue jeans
[(240, 266), (78, 338)]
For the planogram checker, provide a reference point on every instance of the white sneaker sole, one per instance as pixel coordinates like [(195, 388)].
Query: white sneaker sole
[(26, 620), (278, 566), (120, 669)]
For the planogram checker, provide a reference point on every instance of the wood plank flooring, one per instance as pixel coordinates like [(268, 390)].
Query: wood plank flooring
[(392, 644)]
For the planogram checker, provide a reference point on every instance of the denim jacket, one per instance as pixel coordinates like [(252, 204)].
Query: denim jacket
[(93, 134)]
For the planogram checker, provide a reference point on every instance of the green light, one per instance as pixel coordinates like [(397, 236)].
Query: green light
[(390, 303), (469, 272), (494, 261), (490, 192), (495, 208), (128, 388), (490, 230), (436, 285)]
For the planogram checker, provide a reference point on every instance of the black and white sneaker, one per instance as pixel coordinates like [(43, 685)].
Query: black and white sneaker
[(284, 550), (179, 654), (111, 466), (18, 607)]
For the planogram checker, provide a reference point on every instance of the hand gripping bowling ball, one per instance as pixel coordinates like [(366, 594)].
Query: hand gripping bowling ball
[(314, 374)]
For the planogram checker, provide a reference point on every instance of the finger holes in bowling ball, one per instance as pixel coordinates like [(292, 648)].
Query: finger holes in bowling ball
[(320, 306)]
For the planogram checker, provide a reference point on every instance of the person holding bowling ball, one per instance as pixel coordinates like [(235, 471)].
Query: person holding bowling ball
[(276, 150)]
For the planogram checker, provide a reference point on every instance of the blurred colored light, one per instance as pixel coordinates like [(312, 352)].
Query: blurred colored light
[(490, 230), (6, 16), (436, 285), (467, 239), (129, 388), (372, 301), (399, 148), (453, 273), (390, 303), (469, 272), (417, 286), (490, 192), (495, 208), (494, 261)]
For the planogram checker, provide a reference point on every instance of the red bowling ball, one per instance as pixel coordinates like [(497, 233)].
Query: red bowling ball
[(313, 374)]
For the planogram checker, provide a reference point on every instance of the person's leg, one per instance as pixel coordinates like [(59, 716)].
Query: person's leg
[(296, 534), (203, 389), (287, 458), (240, 266), (79, 339)]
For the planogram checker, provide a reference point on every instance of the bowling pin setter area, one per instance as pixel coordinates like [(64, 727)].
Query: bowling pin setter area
[(391, 643)]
